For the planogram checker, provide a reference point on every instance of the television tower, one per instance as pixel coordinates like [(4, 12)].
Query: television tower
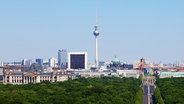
[(96, 34)]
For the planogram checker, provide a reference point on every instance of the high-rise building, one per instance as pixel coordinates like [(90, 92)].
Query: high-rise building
[(1, 63), (40, 62), (1, 70), (96, 34), (62, 58), (45, 63), (24, 61), (52, 62), (77, 60), (142, 64), (27, 62)]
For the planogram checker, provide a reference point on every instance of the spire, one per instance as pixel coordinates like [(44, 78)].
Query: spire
[(96, 17), (96, 33)]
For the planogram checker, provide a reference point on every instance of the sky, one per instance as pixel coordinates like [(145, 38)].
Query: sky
[(129, 29)]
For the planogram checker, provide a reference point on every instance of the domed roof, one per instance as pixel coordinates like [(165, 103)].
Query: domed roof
[(115, 60)]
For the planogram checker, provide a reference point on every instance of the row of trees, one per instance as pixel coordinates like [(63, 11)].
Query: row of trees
[(139, 97), (158, 97), (107, 90), (171, 90)]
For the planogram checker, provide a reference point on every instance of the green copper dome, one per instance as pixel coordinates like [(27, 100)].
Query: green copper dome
[(115, 60)]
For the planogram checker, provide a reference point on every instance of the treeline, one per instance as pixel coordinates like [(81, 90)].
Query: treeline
[(158, 97), (108, 90), (171, 91)]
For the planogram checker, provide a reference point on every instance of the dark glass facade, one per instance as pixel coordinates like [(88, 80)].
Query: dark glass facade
[(77, 61)]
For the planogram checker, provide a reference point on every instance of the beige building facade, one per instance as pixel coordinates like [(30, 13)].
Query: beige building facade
[(11, 77)]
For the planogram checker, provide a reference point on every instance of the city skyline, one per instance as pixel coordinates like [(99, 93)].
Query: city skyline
[(129, 30)]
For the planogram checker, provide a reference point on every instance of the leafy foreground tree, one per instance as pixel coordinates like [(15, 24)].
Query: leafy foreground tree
[(107, 90), (171, 90)]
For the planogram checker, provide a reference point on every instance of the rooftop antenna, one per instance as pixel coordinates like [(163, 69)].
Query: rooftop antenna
[(96, 34), (96, 16)]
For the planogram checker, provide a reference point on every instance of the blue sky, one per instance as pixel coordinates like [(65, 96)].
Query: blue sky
[(129, 29)]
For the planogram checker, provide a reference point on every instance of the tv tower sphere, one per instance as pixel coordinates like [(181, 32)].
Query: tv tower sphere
[(96, 33)]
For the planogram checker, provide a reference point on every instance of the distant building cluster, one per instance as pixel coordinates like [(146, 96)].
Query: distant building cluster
[(69, 65), (73, 65)]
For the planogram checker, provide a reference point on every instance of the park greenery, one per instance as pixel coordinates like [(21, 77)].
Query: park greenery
[(158, 97), (107, 90), (170, 91)]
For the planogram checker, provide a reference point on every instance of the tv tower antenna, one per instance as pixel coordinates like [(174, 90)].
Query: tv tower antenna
[(96, 34)]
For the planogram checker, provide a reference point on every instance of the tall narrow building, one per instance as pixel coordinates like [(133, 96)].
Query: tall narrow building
[(62, 58), (52, 62), (96, 34), (1, 63)]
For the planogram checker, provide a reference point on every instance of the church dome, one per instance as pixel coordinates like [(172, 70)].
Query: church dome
[(115, 60)]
